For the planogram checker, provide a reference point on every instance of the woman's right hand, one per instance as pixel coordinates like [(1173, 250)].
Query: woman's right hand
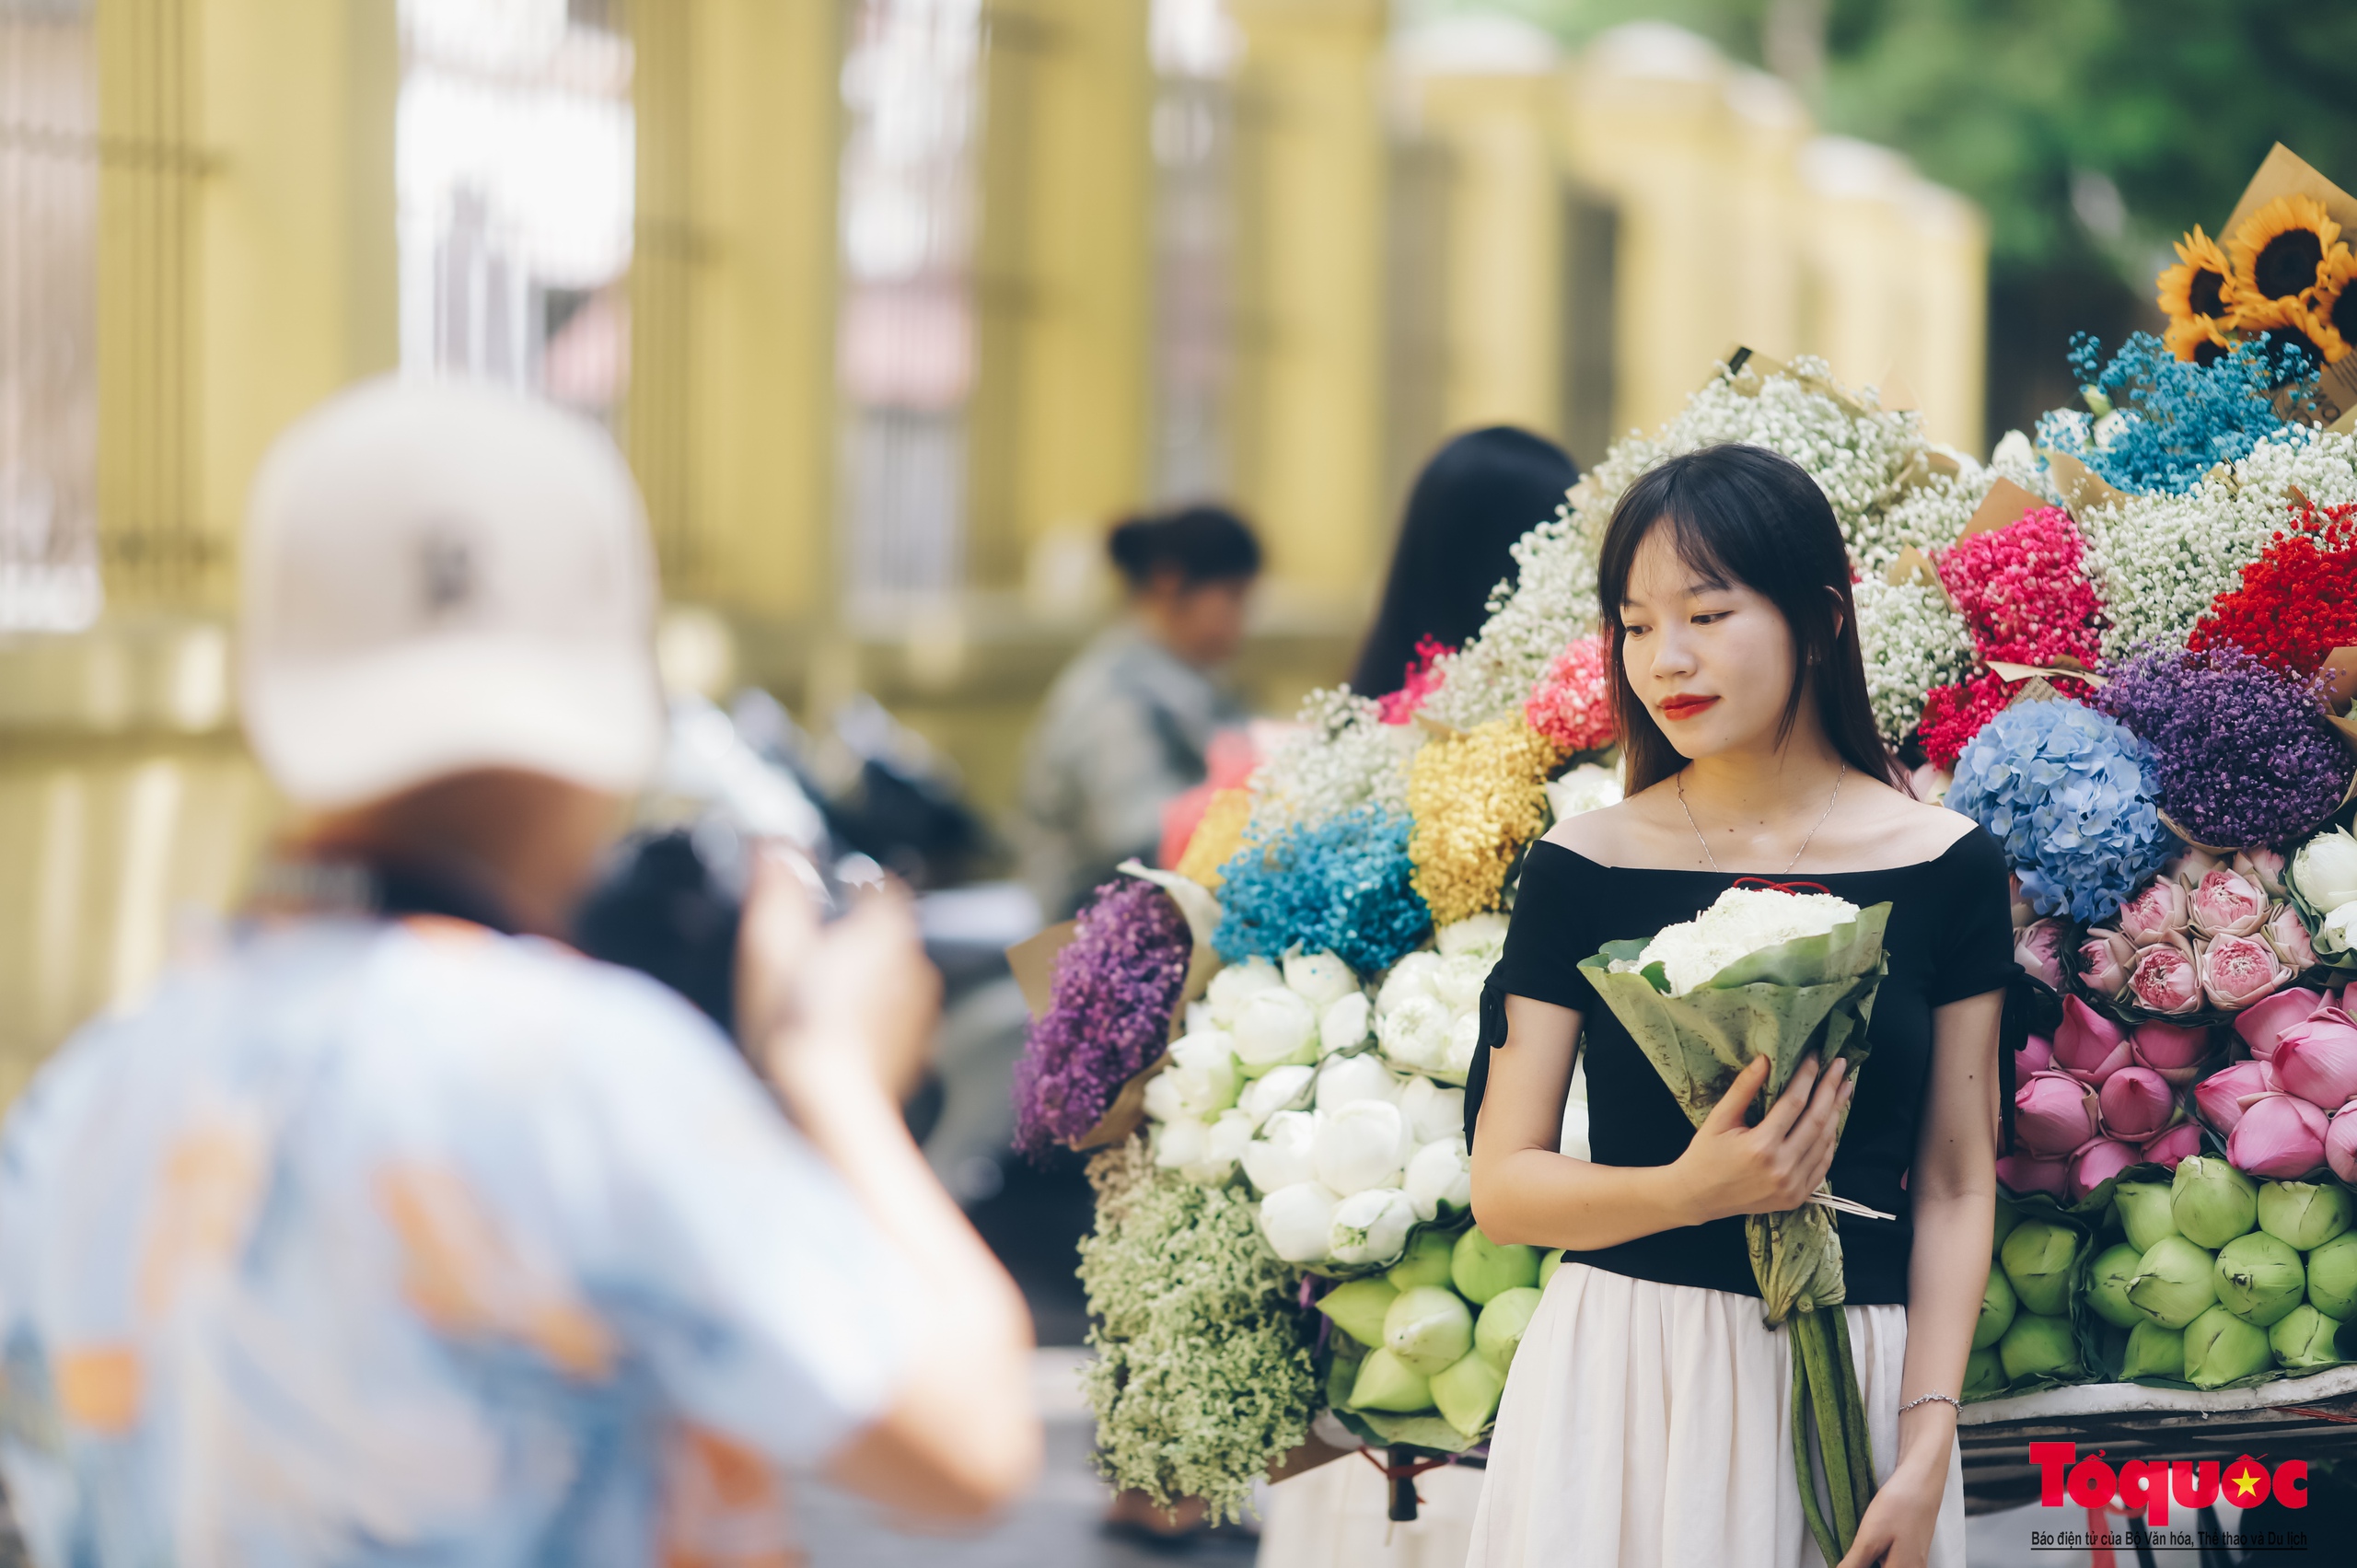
[(1731, 1169)]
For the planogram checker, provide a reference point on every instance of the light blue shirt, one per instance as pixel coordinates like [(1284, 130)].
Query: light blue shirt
[(377, 1243)]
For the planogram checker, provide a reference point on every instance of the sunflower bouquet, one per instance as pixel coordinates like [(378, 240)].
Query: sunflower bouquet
[(2281, 272), (1785, 975)]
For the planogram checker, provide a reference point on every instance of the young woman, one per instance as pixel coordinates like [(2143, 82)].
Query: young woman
[(1648, 1417)]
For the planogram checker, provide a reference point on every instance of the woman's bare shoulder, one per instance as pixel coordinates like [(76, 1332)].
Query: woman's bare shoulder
[(1921, 826), (1605, 834)]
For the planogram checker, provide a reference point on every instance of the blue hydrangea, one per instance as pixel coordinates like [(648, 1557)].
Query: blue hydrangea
[(2175, 420), (2070, 793), (1344, 885)]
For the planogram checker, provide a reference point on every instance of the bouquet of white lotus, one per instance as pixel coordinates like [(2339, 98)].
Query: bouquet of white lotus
[(1784, 975)]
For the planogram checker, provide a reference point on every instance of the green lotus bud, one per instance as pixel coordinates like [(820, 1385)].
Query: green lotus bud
[(2107, 1280), (1384, 1383), (2221, 1347), (1357, 1309), (2305, 1339), (1998, 1304), (2304, 1214), (1468, 1393), (1497, 1333), (2332, 1277), (1481, 1268), (2153, 1351), (2008, 1217), (2038, 1346), (1429, 1328), (1548, 1262), (1984, 1374), (1425, 1261), (2144, 1212), (2037, 1260), (2260, 1278), (2211, 1201), (2174, 1284)]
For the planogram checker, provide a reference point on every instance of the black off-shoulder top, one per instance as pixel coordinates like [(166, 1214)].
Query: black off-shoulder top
[(1950, 937)]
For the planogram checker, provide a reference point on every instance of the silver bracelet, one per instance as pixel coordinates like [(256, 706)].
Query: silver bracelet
[(1931, 1399)]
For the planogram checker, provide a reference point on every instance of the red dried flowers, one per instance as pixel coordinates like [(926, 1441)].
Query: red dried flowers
[(1419, 682), (1954, 714), (2298, 601), (2024, 593)]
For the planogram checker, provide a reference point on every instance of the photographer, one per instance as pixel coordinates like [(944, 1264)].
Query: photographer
[(398, 1227)]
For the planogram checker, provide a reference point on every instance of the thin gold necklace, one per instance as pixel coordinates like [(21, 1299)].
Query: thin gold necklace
[(1680, 778)]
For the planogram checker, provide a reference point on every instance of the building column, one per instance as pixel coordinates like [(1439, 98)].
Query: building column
[(1310, 405), (245, 260), (729, 423), (1056, 430)]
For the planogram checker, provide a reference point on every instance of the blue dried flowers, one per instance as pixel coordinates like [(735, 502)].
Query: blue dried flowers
[(1344, 885), (2066, 790), (2240, 748), (2176, 420), (1117, 983)]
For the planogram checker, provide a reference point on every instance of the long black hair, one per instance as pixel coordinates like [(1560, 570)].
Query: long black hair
[(1745, 515), (1479, 494), (1202, 543)]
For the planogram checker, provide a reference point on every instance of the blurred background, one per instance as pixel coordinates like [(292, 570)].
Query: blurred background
[(896, 305)]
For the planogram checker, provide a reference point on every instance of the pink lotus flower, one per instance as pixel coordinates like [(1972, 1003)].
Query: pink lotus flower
[(2180, 1142), (2228, 903), (2053, 1114), (2164, 980), (2156, 913), (2280, 1136), (2029, 1173), (2222, 1096), (2238, 971), (2262, 865), (2288, 935), (2037, 947), (2105, 959), (2260, 1023), (2340, 1144), (2088, 1046), (2098, 1163), (2191, 866), (2174, 1050), (2317, 1059), (2036, 1056), (2137, 1103)]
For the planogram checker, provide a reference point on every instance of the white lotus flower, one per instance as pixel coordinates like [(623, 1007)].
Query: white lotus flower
[(1284, 1155), (1457, 1057), (2340, 929), (1739, 922), (2326, 869), (1363, 1144), (1440, 1177), (1343, 1025), (1199, 1016), (1370, 1227), (1583, 788), (1458, 981), (1342, 1080), (1237, 984), (1321, 978), (1475, 933), (1180, 1142), (1299, 1221), (1414, 1033), (1432, 1111), (1412, 976), (1223, 1145), (1163, 1101), (1281, 1088), (1275, 1026), (1203, 1069)]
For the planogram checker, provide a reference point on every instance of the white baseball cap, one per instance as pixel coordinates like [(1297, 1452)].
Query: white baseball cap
[(442, 576)]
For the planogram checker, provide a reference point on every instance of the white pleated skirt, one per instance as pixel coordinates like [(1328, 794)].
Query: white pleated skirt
[(1646, 1424)]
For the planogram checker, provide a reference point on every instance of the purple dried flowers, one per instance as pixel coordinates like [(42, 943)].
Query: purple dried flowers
[(1117, 983), (2241, 750)]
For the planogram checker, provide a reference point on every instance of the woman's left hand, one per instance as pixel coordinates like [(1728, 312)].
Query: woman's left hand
[(1896, 1530)]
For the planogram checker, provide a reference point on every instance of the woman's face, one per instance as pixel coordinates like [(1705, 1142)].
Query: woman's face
[(1714, 663)]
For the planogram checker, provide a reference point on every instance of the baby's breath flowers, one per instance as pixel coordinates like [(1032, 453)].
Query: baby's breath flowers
[(1475, 798), (1912, 641), (1203, 1373), (1116, 984), (1340, 756), (1217, 837), (1343, 886), (1572, 705)]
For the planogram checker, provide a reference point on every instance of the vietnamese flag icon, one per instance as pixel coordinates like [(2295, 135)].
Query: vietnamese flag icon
[(2245, 1484)]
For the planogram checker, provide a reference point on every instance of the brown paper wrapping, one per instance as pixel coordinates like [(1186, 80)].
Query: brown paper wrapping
[(2083, 489), (2006, 503)]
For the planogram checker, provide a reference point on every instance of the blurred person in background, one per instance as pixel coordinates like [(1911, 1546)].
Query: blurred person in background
[(1127, 728), (1475, 496), (397, 1229), (1479, 494)]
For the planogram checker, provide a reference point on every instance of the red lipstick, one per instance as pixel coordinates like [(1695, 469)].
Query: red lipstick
[(1684, 705)]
